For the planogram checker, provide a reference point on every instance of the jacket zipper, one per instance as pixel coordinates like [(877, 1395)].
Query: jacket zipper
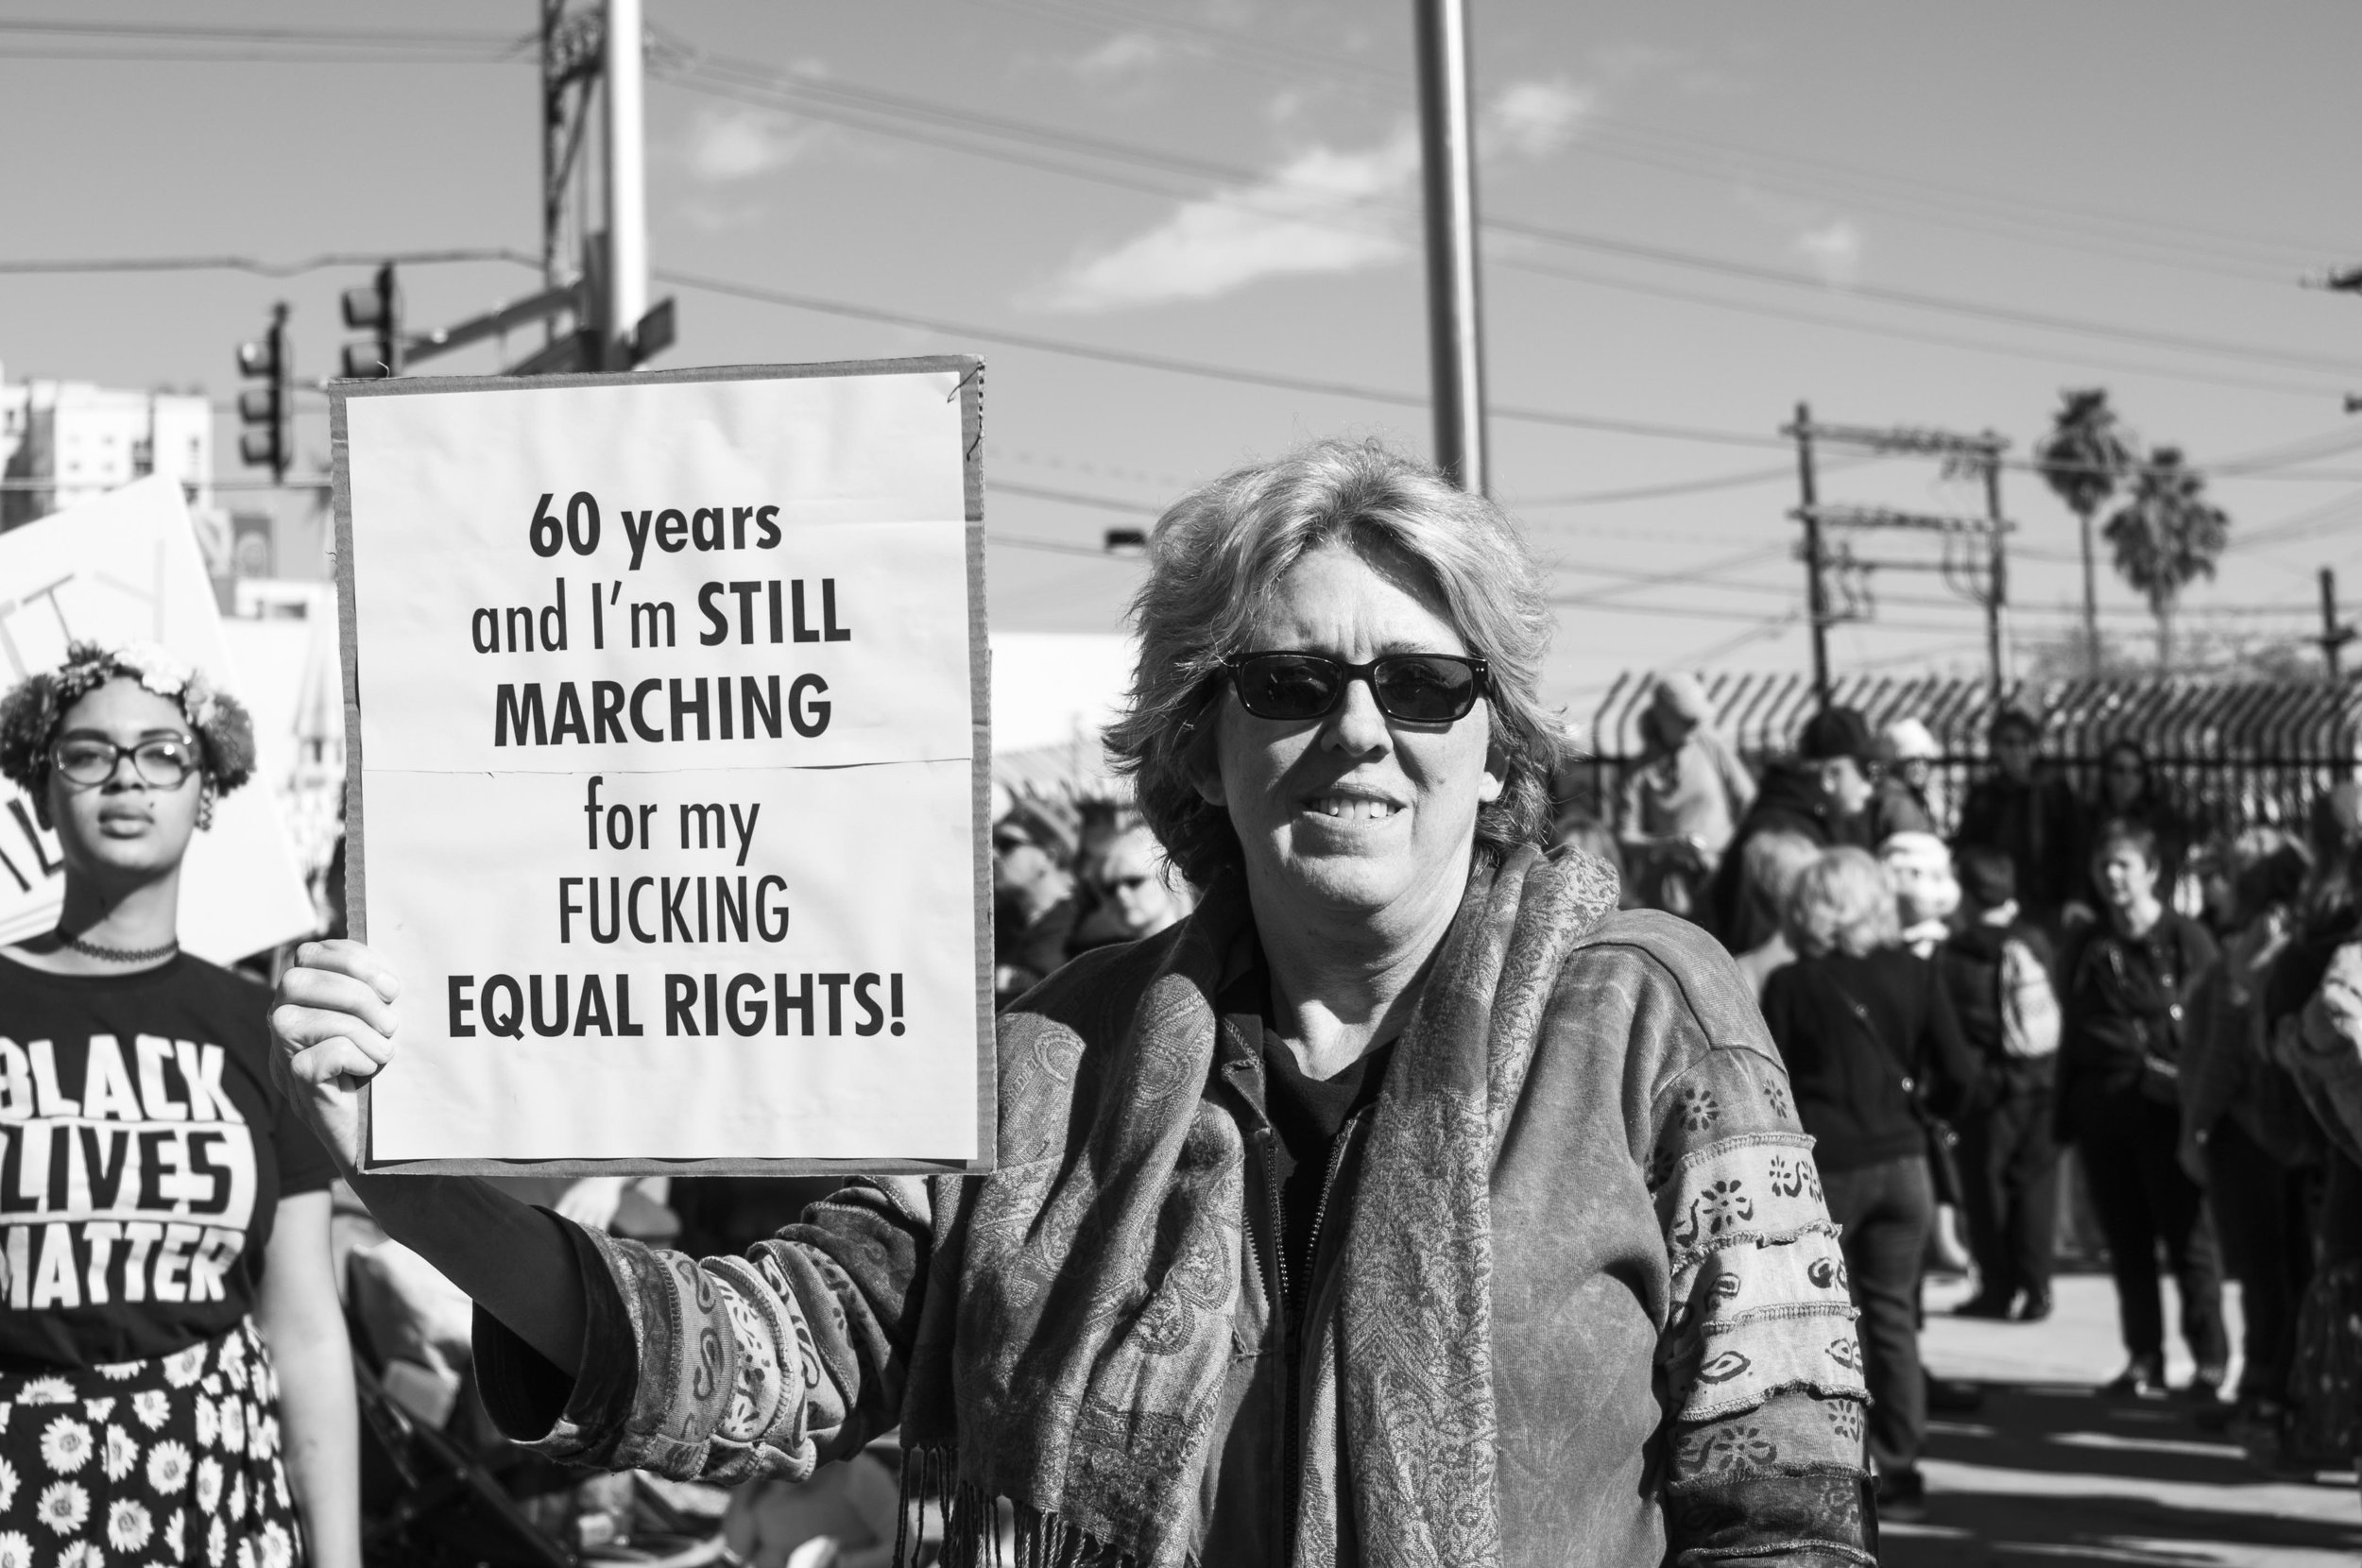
[(1320, 1210), (1291, 1456), (1276, 1271)]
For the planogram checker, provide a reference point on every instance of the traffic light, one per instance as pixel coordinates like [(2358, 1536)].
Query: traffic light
[(268, 410), (376, 308)]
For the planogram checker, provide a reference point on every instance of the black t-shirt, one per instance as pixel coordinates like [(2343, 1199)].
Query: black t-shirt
[(143, 1156), (1308, 1114)]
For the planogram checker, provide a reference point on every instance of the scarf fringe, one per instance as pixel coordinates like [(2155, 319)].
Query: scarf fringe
[(976, 1525)]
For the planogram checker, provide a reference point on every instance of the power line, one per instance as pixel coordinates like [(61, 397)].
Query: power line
[(1773, 627), (214, 31), (218, 56), (1052, 547), (1686, 148), (1918, 299), (204, 41), (1073, 498), (2248, 466), (2083, 362), (1651, 492), (2311, 522), (887, 112), (1131, 359), (774, 97), (1635, 582), (2243, 466), (261, 268)]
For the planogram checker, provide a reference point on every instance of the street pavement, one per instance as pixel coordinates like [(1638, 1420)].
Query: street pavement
[(2049, 1473)]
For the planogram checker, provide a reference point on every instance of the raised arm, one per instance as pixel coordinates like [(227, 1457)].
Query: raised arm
[(607, 1352), (2325, 1051)]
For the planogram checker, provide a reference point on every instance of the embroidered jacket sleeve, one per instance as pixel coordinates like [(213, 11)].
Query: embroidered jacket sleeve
[(725, 1369), (1761, 1365), (2325, 1051)]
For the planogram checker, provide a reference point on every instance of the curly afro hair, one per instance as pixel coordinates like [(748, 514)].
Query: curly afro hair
[(33, 711)]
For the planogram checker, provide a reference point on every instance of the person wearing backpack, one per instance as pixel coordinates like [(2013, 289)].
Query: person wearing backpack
[(1997, 967)]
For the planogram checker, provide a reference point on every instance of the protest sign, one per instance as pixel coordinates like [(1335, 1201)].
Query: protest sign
[(125, 568), (669, 741)]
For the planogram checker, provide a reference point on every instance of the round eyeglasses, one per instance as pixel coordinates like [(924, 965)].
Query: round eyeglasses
[(1412, 688), (163, 761)]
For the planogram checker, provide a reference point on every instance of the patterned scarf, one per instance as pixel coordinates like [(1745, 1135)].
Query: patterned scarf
[(1078, 1328)]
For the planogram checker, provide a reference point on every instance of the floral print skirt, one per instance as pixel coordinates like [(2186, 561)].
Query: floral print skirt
[(170, 1461)]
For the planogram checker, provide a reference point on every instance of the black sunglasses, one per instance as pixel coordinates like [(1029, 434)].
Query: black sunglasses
[(1412, 688)]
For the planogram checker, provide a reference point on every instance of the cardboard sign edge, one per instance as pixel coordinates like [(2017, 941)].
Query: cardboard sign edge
[(969, 389)]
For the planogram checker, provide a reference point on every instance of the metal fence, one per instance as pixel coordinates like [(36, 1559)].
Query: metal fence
[(2234, 754)]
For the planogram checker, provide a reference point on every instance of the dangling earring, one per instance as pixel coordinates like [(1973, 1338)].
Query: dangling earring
[(205, 807)]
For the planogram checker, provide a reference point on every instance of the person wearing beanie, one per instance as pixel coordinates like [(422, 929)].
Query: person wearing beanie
[(1839, 742), (1683, 801), (1901, 803), (1821, 793), (1997, 968), (2033, 818)]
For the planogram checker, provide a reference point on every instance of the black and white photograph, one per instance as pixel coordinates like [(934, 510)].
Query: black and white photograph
[(1180, 784)]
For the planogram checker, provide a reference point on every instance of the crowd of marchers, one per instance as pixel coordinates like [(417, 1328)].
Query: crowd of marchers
[(2076, 1020), (2030, 1024), (1379, 1174)]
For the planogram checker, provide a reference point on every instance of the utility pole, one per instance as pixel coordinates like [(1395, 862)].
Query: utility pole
[(1454, 319), (553, 153), (2335, 633), (1973, 563), (627, 280), (1997, 575), (1816, 587)]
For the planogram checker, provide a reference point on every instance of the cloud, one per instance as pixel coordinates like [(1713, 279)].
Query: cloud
[(1122, 57), (1834, 249), (1322, 211), (1302, 219), (726, 146), (1532, 119), (1831, 244)]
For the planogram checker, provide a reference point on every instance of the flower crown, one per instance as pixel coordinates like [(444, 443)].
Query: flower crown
[(34, 710)]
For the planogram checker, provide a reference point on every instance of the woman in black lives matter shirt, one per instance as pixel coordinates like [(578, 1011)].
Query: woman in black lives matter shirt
[(175, 1381)]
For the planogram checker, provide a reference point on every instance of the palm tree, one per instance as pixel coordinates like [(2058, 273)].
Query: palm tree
[(2167, 536), (2085, 457)]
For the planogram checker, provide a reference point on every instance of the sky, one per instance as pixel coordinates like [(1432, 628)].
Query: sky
[(1697, 217)]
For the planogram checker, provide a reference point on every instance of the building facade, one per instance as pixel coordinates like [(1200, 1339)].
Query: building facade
[(65, 442)]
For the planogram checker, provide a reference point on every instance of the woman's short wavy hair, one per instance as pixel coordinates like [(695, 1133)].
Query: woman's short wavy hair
[(1843, 903), (1219, 553)]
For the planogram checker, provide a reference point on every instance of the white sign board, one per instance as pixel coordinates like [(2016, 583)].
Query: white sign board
[(669, 754), (125, 568)]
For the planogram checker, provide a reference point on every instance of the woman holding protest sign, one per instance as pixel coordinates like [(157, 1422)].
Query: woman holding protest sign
[(1404, 1202), (172, 1347)]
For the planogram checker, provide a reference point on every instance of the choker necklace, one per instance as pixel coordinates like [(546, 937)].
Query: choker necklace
[(118, 955)]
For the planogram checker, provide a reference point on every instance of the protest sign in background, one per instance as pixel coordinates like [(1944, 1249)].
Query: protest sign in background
[(669, 740), (125, 568)]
